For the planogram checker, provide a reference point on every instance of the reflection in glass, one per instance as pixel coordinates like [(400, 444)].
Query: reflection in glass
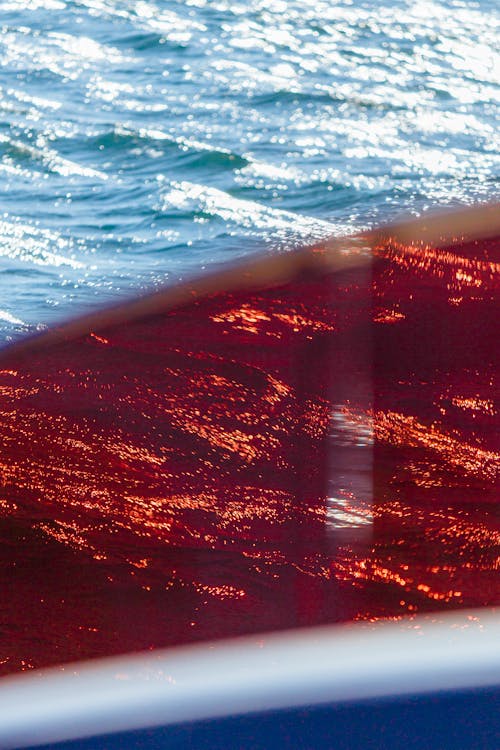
[(312, 438)]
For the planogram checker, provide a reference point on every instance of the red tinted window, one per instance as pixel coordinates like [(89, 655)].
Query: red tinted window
[(306, 444)]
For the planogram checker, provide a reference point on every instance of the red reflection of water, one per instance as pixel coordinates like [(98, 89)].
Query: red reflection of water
[(165, 479)]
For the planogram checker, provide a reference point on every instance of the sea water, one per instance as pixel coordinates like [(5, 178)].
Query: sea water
[(144, 141)]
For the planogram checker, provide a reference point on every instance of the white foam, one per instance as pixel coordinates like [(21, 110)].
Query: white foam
[(245, 213)]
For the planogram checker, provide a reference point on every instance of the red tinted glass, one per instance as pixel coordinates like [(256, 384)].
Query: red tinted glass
[(310, 444)]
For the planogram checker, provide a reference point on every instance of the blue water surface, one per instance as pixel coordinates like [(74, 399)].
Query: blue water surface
[(143, 141)]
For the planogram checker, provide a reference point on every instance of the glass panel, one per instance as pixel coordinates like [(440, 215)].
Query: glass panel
[(436, 428), (311, 439)]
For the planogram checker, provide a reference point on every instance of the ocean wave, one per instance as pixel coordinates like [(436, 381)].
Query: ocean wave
[(19, 151), (28, 244), (244, 213)]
